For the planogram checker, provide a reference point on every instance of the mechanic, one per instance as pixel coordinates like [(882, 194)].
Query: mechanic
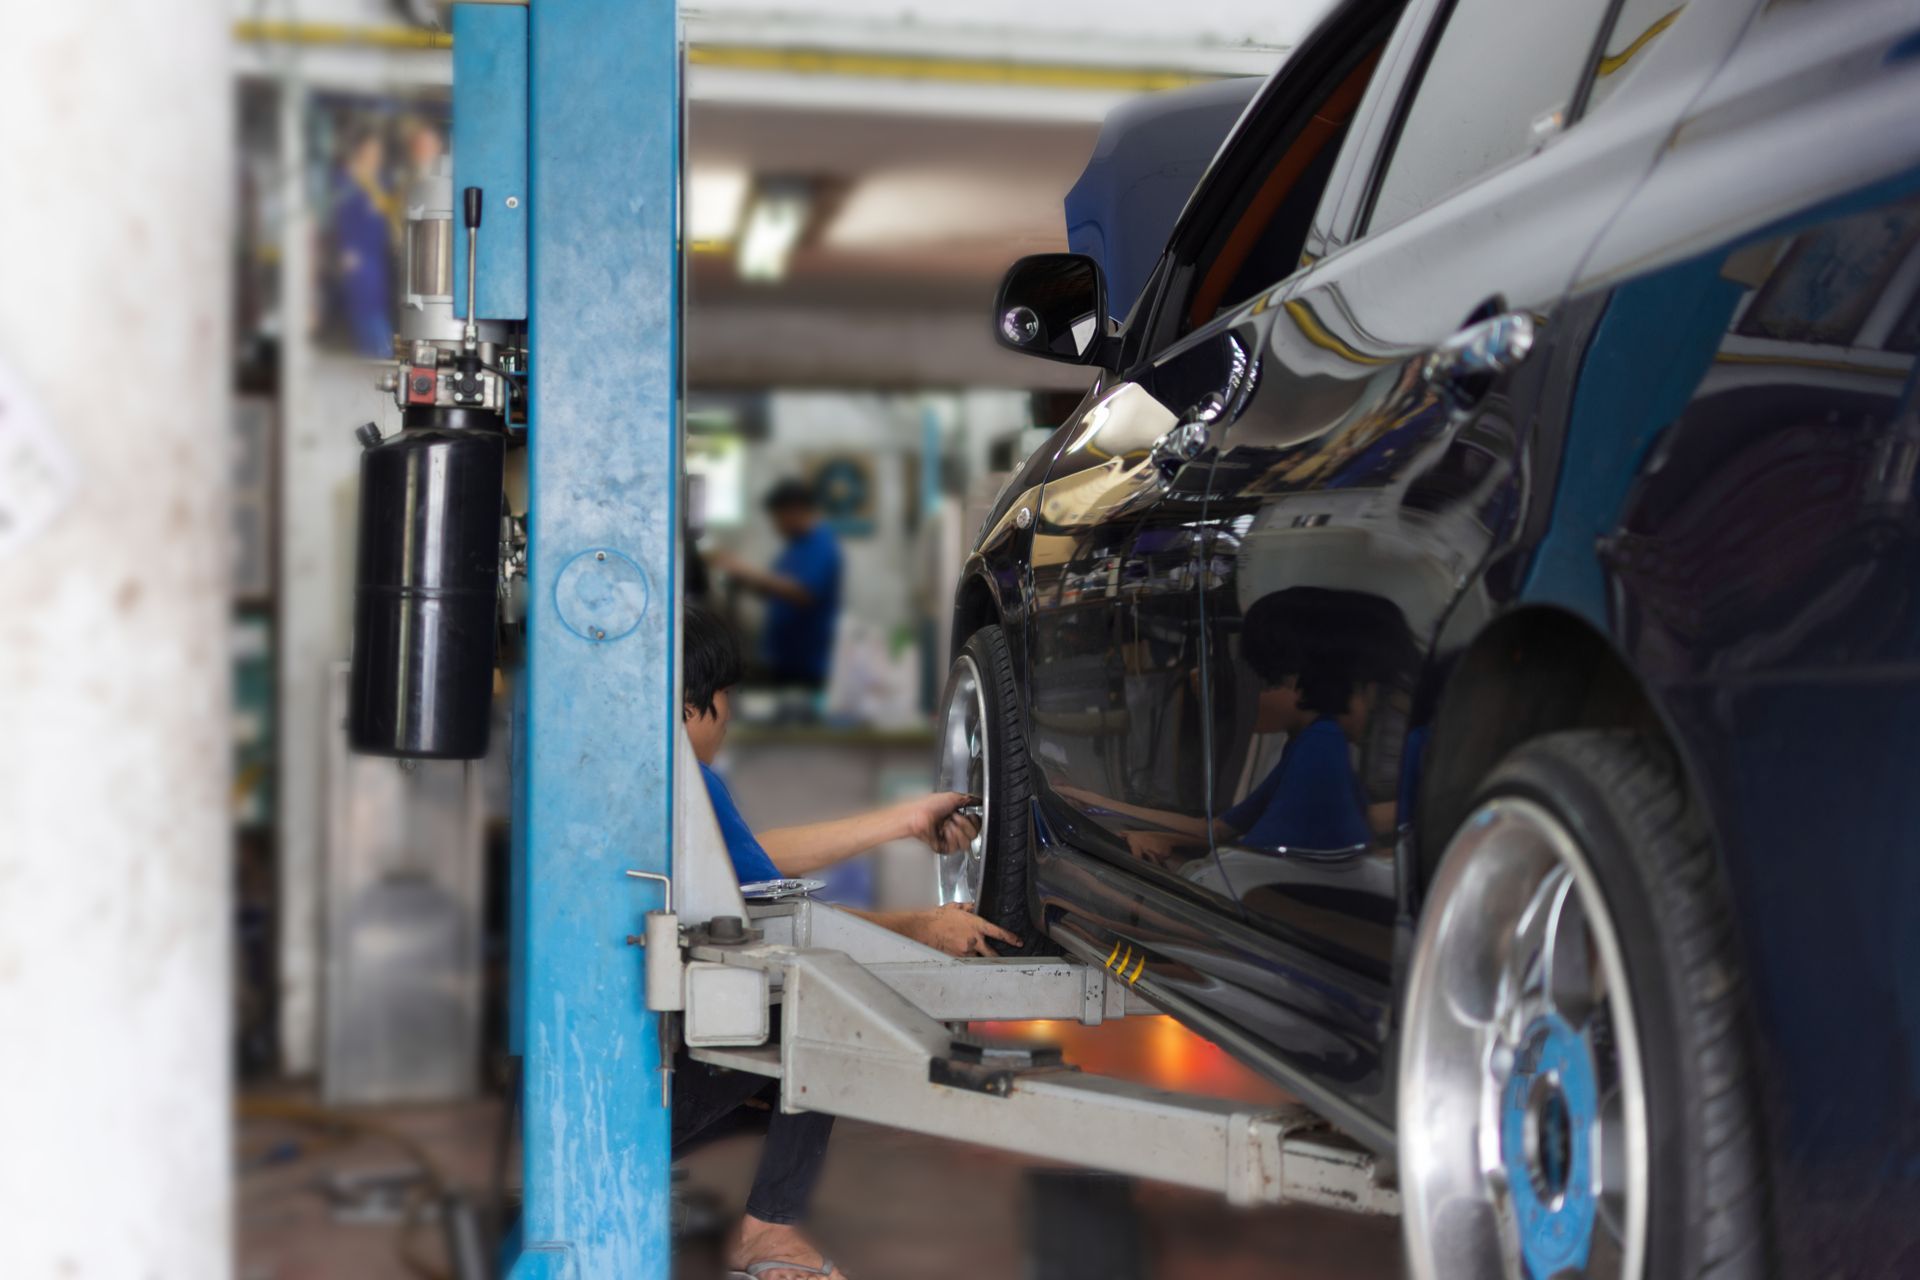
[(1311, 798), (769, 1244), (802, 588), (1320, 678)]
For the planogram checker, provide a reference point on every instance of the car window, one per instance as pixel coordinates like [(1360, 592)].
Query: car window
[(1640, 25), (1501, 78), (1255, 239)]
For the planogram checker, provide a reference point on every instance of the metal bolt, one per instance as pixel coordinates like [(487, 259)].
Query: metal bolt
[(598, 634), (513, 202), (599, 555)]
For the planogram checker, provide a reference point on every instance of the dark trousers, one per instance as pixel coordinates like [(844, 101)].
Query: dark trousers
[(711, 1102)]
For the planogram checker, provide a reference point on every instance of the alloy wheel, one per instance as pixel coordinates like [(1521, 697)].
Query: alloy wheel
[(965, 765), (1523, 1118)]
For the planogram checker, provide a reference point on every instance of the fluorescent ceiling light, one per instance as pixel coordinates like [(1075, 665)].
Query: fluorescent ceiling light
[(774, 222), (715, 198)]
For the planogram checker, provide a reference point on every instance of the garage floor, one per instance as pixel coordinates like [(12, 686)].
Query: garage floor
[(892, 1206)]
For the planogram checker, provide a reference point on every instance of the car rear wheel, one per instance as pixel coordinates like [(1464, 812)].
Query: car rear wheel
[(983, 753), (1574, 1098)]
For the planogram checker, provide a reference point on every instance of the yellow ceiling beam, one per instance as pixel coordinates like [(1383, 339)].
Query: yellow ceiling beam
[(846, 64)]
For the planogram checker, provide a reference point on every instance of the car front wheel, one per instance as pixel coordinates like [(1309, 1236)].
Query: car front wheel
[(982, 752), (1574, 1099)]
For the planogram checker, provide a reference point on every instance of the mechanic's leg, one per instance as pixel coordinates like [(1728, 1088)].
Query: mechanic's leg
[(790, 1163)]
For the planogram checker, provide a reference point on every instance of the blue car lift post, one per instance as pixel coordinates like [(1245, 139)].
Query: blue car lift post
[(567, 116), (570, 109)]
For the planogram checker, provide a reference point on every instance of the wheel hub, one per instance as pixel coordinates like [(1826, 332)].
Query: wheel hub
[(1549, 1108)]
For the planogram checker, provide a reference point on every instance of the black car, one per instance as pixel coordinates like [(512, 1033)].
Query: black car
[(1464, 653)]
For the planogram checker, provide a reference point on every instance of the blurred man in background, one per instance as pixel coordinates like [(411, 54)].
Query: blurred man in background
[(802, 588)]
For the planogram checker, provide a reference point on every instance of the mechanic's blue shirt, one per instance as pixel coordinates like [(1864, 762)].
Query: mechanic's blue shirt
[(750, 861), (1311, 800), (799, 638)]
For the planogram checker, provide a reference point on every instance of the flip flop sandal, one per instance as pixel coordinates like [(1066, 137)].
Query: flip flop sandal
[(755, 1270)]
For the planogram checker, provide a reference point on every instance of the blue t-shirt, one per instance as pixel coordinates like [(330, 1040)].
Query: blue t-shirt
[(750, 861), (799, 638), (1311, 800)]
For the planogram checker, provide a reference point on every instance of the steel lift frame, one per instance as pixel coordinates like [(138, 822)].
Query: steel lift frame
[(567, 113)]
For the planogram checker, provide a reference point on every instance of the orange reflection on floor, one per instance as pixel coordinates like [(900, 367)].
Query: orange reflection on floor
[(1147, 1050)]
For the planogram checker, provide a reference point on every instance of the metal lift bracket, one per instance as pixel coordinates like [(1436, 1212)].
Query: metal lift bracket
[(867, 1032)]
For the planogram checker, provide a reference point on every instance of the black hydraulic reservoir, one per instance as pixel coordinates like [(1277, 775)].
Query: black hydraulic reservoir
[(427, 584)]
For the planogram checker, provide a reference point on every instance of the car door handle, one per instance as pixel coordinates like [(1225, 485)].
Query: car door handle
[(1464, 367), (1190, 437), (1193, 434)]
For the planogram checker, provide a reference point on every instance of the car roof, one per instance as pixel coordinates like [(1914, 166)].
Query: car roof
[(1150, 154)]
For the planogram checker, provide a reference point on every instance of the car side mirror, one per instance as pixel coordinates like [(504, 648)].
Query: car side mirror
[(1054, 305)]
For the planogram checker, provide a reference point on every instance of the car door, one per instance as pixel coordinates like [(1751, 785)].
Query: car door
[(1117, 721), (1374, 468)]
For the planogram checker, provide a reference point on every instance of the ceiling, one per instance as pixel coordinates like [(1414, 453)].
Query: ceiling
[(918, 213)]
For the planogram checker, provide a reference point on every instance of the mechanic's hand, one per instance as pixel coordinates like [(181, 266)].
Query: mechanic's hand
[(1158, 847), (934, 821), (956, 930)]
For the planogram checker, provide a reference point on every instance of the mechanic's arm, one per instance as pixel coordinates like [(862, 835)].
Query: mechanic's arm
[(954, 928), (764, 581), (932, 820)]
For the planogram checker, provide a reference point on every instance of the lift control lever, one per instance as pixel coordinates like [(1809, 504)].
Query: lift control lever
[(471, 199)]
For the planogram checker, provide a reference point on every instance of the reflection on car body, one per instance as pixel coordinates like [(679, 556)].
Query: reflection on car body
[(1584, 400)]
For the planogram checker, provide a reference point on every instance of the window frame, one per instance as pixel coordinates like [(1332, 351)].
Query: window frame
[(1250, 152)]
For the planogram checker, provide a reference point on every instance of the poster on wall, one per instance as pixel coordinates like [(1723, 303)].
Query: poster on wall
[(365, 151), (844, 485)]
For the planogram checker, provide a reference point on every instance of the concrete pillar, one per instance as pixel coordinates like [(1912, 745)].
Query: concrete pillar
[(115, 190)]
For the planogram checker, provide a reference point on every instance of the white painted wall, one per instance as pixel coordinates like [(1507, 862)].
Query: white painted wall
[(115, 920), (324, 397)]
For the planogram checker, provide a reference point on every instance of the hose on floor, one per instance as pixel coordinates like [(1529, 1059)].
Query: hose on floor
[(335, 1122)]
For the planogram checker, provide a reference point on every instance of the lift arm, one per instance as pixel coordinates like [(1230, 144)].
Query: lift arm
[(867, 1033)]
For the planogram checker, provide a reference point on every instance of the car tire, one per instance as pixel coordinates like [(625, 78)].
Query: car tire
[(1575, 938), (983, 751)]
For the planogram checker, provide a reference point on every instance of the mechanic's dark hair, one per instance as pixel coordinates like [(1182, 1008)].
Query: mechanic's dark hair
[(791, 494), (1333, 640), (711, 662), (1267, 641), (1327, 683)]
